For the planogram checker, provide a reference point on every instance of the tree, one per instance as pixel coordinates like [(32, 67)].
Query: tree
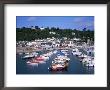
[(31, 34), (84, 29), (36, 27)]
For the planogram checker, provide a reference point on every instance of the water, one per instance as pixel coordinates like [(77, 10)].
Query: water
[(75, 66)]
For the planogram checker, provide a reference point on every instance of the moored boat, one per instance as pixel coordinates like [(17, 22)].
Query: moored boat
[(58, 66), (31, 55)]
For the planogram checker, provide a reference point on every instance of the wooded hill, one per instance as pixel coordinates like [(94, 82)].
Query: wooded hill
[(28, 34)]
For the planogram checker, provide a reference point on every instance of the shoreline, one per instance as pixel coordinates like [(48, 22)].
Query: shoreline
[(26, 49)]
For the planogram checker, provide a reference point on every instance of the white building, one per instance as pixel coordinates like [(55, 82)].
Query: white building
[(52, 33)]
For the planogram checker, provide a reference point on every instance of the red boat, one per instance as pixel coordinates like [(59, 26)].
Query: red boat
[(39, 58), (36, 60)]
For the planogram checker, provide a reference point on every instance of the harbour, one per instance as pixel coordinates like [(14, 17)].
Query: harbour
[(75, 65)]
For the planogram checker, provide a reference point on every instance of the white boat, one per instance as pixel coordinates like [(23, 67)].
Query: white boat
[(75, 50), (90, 64), (58, 61), (77, 53), (82, 56), (26, 53), (85, 60), (31, 55), (20, 53), (28, 56), (55, 51), (65, 53), (30, 63), (64, 50), (50, 53), (34, 53), (88, 61), (61, 57)]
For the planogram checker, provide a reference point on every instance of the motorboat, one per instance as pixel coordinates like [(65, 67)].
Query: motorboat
[(90, 64), (49, 53), (75, 50), (40, 58), (31, 55), (60, 57), (45, 57), (88, 61), (28, 56), (76, 53), (32, 62), (36, 60), (35, 54), (82, 56), (58, 66), (55, 51)]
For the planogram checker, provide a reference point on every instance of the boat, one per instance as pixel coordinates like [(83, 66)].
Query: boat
[(58, 66), (28, 56), (64, 50), (61, 57), (35, 54), (82, 56), (36, 60), (45, 56), (20, 53), (59, 63), (76, 53), (31, 55), (32, 62), (85, 60), (40, 58), (75, 50), (54, 52), (65, 53), (90, 64), (49, 54), (88, 61)]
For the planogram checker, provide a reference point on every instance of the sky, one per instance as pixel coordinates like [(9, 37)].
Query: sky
[(63, 22)]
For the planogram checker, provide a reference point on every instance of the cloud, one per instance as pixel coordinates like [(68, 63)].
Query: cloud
[(31, 18)]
